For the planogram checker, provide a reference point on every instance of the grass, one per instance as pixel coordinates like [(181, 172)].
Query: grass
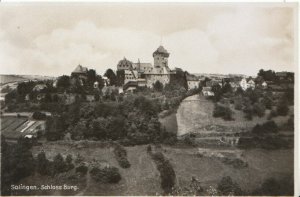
[(198, 117), (142, 178)]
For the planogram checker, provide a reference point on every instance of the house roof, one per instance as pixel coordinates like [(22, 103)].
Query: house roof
[(80, 69), (162, 51), (124, 64), (191, 78)]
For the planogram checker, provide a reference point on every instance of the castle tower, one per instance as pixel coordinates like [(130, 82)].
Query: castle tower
[(160, 57)]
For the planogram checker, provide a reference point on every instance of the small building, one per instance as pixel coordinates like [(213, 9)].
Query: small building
[(264, 85), (192, 82), (131, 86), (96, 84), (39, 87), (251, 84), (207, 91), (80, 72)]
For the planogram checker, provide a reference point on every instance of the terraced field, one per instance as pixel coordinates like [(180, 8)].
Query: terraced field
[(14, 127)]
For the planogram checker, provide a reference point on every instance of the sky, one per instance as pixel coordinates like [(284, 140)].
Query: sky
[(53, 38)]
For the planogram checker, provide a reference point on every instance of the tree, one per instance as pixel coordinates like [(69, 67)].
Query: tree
[(111, 76), (227, 187), (63, 82), (39, 116), (268, 75), (59, 165), (259, 109), (282, 106), (158, 86), (43, 164)]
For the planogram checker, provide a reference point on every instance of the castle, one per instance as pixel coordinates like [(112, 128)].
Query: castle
[(144, 74)]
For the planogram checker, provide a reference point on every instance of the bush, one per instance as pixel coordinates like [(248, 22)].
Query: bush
[(39, 116), (272, 114), (227, 187), (106, 175), (167, 173), (82, 169), (282, 107), (223, 112), (121, 156), (267, 127), (273, 187), (259, 109), (238, 105)]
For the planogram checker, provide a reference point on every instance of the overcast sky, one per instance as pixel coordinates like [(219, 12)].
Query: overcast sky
[(52, 39)]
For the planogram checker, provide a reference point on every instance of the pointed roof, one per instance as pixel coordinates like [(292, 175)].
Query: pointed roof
[(80, 69), (162, 51)]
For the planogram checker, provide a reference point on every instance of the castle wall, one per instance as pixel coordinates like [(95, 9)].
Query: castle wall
[(152, 78)]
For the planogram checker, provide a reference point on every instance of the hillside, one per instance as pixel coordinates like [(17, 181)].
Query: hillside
[(17, 78)]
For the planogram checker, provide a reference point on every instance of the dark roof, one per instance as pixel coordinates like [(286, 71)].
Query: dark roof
[(80, 69), (124, 64), (162, 51), (191, 78)]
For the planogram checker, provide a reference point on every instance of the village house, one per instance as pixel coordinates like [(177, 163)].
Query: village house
[(207, 91), (192, 82), (80, 72), (244, 84)]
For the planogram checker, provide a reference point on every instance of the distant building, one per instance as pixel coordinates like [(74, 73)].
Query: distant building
[(161, 71), (207, 91), (144, 74), (244, 84), (80, 72), (192, 82), (39, 87)]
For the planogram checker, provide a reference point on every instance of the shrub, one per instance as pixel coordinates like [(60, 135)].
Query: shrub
[(106, 175), (167, 173), (39, 116), (248, 110), (238, 105), (267, 127), (82, 169), (272, 114), (223, 112), (121, 156), (259, 109), (43, 164), (282, 107), (59, 165), (227, 187)]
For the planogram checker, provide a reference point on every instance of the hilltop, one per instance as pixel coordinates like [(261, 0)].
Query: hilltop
[(18, 78)]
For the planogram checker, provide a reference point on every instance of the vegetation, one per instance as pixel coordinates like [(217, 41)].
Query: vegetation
[(267, 127), (167, 173), (121, 156), (227, 187), (223, 112), (106, 174)]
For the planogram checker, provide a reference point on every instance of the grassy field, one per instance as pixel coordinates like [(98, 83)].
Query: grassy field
[(142, 178), (197, 116)]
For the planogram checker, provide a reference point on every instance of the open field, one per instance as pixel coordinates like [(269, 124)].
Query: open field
[(142, 178), (14, 127), (197, 117)]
